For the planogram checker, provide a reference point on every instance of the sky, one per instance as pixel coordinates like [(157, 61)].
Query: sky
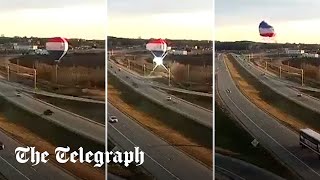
[(294, 21), (47, 18), (178, 19)]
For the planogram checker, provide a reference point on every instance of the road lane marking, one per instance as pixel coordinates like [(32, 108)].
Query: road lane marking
[(230, 172), (270, 136), (144, 152), (14, 168)]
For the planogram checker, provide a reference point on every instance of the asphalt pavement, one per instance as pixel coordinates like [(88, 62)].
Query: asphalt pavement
[(280, 87), (162, 160), (142, 86), (11, 169), (71, 121), (281, 141)]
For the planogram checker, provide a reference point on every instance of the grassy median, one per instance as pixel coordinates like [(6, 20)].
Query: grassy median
[(232, 140), (286, 111)]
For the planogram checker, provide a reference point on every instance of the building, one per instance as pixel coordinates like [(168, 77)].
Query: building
[(179, 52), (293, 52), (22, 47), (310, 55)]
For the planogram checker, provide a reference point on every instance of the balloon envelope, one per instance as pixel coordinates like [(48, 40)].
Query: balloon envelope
[(266, 30), (157, 46), (57, 48)]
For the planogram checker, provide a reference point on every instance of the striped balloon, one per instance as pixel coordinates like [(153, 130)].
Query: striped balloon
[(157, 46), (57, 48)]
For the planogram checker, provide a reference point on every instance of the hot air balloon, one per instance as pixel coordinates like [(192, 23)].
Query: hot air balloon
[(158, 47), (266, 31), (57, 48)]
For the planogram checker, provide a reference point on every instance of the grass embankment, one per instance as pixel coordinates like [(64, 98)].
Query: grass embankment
[(93, 111), (46, 136), (287, 112), (132, 172), (311, 93), (185, 134), (203, 101), (96, 112), (236, 142)]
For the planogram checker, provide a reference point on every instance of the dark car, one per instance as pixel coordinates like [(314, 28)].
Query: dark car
[(1, 146), (48, 112)]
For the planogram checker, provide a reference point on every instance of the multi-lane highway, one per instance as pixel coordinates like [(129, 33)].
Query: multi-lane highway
[(142, 86), (162, 160), (11, 169), (73, 122), (237, 169), (280, 87), (278, 139)]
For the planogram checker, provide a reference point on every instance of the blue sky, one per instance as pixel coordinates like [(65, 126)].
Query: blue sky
[(188, 19), (44, 18), (293, 20)]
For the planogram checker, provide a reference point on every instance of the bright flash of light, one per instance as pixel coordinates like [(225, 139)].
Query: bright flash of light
[(159, 62)]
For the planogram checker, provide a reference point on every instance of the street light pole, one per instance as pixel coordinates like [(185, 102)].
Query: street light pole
[(35, 79)]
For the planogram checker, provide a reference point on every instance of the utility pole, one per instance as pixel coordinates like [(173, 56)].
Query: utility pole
[(188, 72), (144, 69), (169, 76), (280, 71), (8, 71), (18, 66), (266, 66), (301, 77), (35, 78), (57, 73)]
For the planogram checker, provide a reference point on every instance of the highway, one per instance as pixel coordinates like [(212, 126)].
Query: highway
[(190, 110), (280, 88), (237, 169), (13, 170), (162, 160), (30, 90), (275, 137), (73, 122), (164, 86)]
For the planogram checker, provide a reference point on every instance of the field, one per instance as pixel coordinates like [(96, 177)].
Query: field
[(188, 72), (77, 74)]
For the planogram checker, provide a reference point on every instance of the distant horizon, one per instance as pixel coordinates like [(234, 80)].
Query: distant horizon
[(29, 37), (160, 38), (266, 42)]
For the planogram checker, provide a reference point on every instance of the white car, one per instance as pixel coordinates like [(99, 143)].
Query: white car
[(113, 119), (169, 98), (18, 94)]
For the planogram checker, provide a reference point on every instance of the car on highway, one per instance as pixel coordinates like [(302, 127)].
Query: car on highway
[(18, 94), (228, 91), (47, 112), (1, 146), (113, 119)]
